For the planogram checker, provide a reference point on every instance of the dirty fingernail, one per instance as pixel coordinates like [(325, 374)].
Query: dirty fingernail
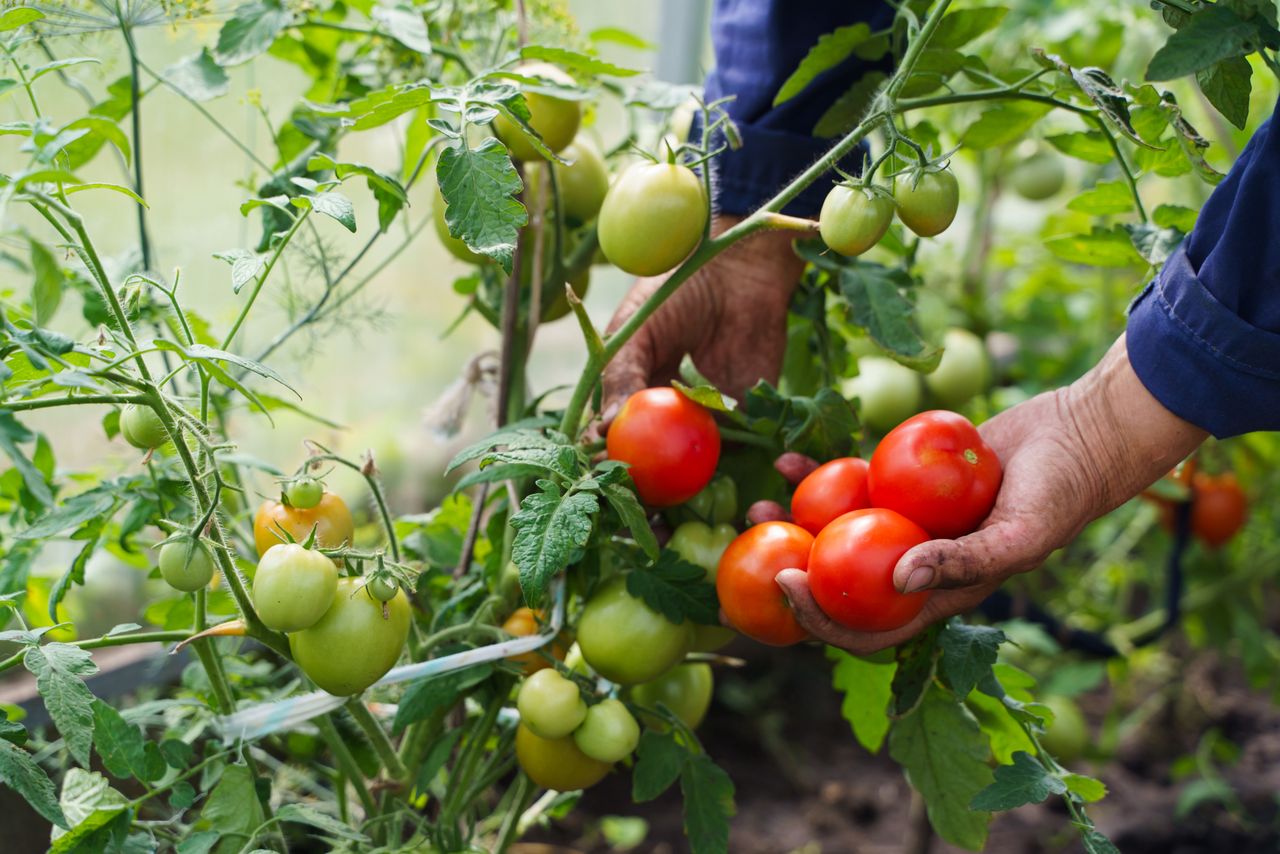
[(920, 578)]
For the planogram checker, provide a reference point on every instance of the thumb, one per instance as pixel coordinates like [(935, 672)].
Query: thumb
[(990, 554)]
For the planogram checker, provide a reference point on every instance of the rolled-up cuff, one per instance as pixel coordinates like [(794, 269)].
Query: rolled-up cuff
[(1200, 359), (769, 160)]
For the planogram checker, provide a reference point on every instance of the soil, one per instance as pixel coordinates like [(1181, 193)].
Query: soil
[(805, 786)]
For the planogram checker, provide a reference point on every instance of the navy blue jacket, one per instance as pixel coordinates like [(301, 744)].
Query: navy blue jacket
[(1204, 337)]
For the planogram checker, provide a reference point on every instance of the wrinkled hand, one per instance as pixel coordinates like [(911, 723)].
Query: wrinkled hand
[(1069, 456), (730, 316)]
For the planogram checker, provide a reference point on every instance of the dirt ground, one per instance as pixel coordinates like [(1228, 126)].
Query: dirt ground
[(805, 786)]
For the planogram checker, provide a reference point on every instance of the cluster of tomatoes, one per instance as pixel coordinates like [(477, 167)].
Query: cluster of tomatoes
[(932, 476), (855, 215)]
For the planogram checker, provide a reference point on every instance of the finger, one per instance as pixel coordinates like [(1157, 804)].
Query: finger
[(794, 467), (990, 554), (767, 511), (795, 585)]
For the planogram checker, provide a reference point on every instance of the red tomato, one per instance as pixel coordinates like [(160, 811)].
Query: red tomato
[(935, 469), (670, 442), (831, 490), (750, 597), (1219, 509), (851, 570)]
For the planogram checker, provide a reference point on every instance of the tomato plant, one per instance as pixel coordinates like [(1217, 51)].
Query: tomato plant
[(554, 119), (293, 587), (717, 503), (670, 444), (935, 469), (524, 622), (1038, 177), (652, 218), (831, 490), (853, 219), (851, 570), (751, 599)]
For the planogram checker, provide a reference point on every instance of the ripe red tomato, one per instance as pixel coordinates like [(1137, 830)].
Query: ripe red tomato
[(671, 443), (750, 597), (851, 570), (935, 469), (1219, 509), (831, 490)]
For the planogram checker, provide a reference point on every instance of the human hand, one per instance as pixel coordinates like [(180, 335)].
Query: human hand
[(1069, 456), (730, 316)]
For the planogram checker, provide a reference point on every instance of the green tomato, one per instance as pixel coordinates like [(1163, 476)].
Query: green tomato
[(963, 371), (685, 690), (608, 733), (888, 393), (652, 218), (575, 662), (549, 704), (186, 564), (559, 307), (304, 492), (928, 204), (556, 763), (711, 638), (853, 219), (1068, 735), (382, 587), (555, 119), (626, 641), (702, 545), (1038, 177), (293, 587), (456, 246), (142, 428), (356, 641), (584, 182), (717, 503)]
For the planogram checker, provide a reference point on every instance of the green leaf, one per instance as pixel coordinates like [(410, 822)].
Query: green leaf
[(479, 187), (251, 30), (405, 24), (626, 38), (967, 654), (425, 696), (89, 803), (46, 289), (821, 426), (436, 757), (676, 589), (1004, 124), (576, 63), (876, 304), (102, 185), (627, 506), (944, 755), (1096, 843), (846, 111), (233, 806), (831, 50), (1089, 146), (932, 69), (1026, 781), (867, 690), (310, 816), (1106, 197), (198, 77), (1100, 248), (550, 528), (201, 842), (336, 206), (11, 433), (209, 356), (60, 670), (1085, 788), (388, 192), (659, 759), (58, 65), (18, 16), (1211, 35), (20, 772), (1154, 244), (962, 26), (917, 660), (1175, 216), (1227, 85), (246, 266), (996, 718), (708, 805), (122, 746)]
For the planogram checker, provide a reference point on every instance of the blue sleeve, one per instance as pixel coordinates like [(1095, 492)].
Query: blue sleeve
[(1204, 337), (758, 44)]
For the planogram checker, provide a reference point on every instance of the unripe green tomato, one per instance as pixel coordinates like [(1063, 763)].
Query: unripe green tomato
[(928, 204), (293, 587), (186, 564), (1068, 735), (626, 641), (685, 690), (574, 660), (717, 503), (608, 733), (456, 246), (559, 307), (555, 119), (963, 371), (304, 492), (356, 641), (702, 545), (584, 182), (557, 763), (1038, 177), (549, 704), (652, 218), (711, 638), (142, 428), (853, 219), (888, 393), (382, 587)]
